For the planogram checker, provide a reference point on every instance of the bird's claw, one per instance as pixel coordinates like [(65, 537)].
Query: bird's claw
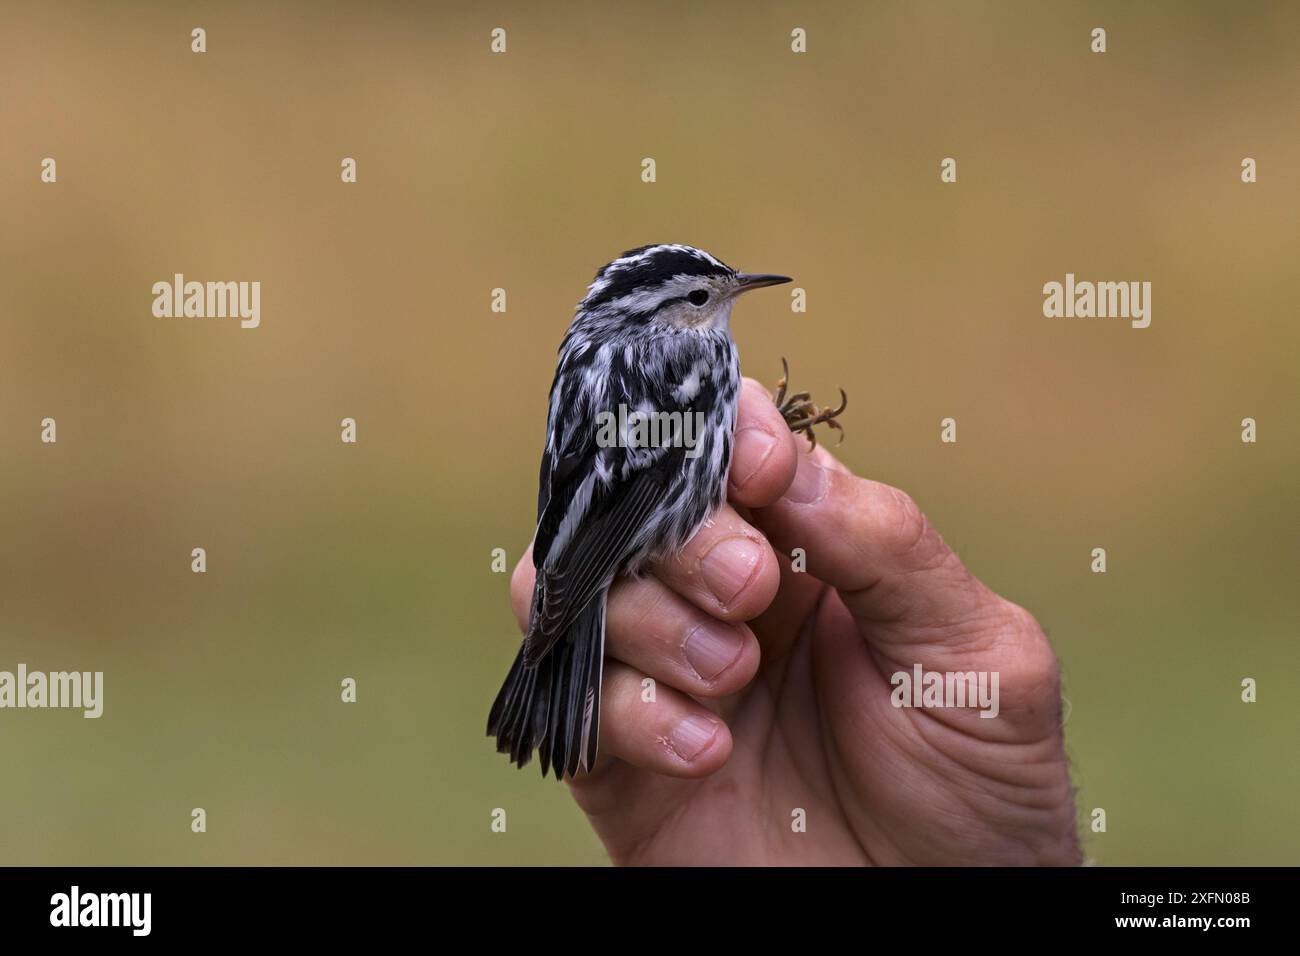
[(801, 414)]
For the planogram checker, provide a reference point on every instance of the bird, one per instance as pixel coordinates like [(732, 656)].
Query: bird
[(650, 342)]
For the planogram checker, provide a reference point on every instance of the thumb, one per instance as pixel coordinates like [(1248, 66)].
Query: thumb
[(903, 585)]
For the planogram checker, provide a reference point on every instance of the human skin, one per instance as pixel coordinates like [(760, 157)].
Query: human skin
[(772, 687)]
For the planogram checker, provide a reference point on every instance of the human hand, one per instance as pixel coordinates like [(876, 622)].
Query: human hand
[(752, 722)]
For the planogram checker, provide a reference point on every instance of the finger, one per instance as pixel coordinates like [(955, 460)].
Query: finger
[(651, 628), (778, 628), (670, 734), (1026, 689), (873, 544), (727, 570), (521, 588), (763, 462), (666, 637), (822, 456)]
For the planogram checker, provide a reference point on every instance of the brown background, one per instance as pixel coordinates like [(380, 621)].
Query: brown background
[(522, 171)]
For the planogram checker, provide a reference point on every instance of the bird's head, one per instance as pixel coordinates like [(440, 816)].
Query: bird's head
[(678, 286)]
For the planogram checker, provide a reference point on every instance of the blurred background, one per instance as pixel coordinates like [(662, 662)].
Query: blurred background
[(522, 171)]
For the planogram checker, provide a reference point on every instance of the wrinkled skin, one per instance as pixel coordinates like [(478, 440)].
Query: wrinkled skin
[(753, 722)]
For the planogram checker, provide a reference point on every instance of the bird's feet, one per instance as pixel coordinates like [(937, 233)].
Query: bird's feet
[(801, 413)]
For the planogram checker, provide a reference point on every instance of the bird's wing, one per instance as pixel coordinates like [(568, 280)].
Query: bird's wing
[(586, 530)]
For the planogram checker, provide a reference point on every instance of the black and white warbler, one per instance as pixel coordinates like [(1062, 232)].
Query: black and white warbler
[(652, 337)]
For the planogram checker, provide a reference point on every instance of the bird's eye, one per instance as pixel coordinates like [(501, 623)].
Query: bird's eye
[(698, 297)]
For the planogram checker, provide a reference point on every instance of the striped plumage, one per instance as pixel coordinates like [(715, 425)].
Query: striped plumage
[(642, 338)]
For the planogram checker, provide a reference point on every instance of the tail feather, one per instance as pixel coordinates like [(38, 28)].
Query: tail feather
[(591, 717), (553, 707)]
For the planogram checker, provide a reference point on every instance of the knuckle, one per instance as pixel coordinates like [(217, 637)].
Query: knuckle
[(521, 590), (904, 532), (521, 579), (643, 604), (1033, 670), (1022, 623)]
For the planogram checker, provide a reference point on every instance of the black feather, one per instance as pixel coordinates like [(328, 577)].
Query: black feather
[(567, 581), (553, 706), (662, 265)]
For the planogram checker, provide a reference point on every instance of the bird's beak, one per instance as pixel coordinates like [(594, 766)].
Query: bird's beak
[(746, 282)]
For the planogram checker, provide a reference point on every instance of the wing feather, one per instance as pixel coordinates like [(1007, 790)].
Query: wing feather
[(590, 557)]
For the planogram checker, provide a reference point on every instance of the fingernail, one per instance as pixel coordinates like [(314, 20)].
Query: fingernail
[(810, 481), (692, 736), (753, 446), (711, 650), (728, 566)]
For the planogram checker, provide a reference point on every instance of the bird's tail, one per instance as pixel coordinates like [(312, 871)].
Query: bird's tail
[(553, 706)]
